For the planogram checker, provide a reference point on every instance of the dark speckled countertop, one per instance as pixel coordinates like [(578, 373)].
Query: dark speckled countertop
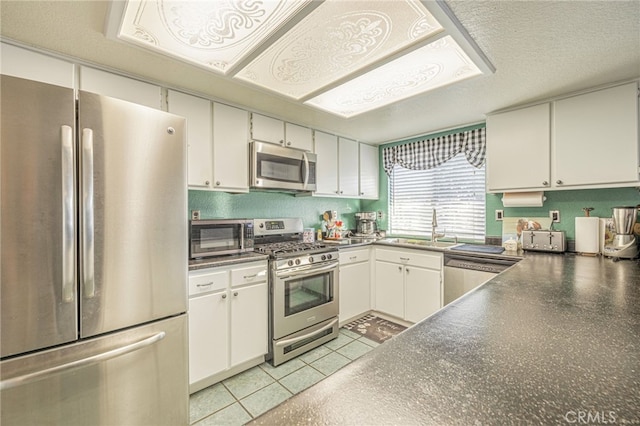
[(553, 340)]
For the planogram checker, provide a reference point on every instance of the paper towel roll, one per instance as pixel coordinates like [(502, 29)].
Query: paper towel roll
[(523, 199), (588, 235)]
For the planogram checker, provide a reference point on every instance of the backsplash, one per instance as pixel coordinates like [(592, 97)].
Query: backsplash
[(569, 203), (219, 205)]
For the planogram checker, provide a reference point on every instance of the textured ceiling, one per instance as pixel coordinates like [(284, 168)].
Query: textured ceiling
[(540, 49)]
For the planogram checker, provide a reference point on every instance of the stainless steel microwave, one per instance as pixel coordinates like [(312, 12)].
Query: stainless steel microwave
[(277, 167), (220, 236)]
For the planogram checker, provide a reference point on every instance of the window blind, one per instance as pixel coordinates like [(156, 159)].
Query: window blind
[(456, 189)]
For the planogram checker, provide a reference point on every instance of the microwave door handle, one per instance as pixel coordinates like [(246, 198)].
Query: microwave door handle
[(306, 169)]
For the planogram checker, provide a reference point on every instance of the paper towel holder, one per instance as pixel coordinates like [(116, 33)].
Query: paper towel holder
[(523, 199)]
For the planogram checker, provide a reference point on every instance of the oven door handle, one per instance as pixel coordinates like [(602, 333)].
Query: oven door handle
[(305, 272), (306, 336)]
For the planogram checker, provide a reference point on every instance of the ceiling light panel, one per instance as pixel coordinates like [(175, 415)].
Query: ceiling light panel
[(336, 40), (213, 34), (437, 64)]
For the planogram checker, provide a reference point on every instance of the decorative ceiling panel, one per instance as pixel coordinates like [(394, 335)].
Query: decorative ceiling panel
[(439, 63), (214, 34), (336, 40)]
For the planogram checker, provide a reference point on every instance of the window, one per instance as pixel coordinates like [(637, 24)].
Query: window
[(456, 189)]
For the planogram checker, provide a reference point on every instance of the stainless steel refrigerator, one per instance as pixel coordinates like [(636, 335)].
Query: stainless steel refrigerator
[(93, 260)]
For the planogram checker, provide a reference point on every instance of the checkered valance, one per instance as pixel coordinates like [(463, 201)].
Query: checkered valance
[(430, 153)]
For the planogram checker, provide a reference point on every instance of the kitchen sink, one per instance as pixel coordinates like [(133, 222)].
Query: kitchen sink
[(421, 243)]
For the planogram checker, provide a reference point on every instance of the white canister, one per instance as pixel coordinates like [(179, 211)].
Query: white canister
[(308, 235)]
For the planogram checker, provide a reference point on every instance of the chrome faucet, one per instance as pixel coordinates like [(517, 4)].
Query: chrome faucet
[(434, 224)]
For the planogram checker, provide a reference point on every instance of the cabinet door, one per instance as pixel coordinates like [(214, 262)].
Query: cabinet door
[(230, 148), (596, 137), (208, 335), (116, 86), (326, 148), (390, 288), (299, 137), (197, 111), (267, 129), (354, 289), (369, 166), (422, 293), (249, 319), (348, 170), (518, 145), (30, 65)]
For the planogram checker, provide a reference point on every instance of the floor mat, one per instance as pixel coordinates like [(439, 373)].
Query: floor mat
[(375, 328)]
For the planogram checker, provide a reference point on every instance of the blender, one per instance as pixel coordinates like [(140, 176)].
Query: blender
[(624, 244), (366, 225)]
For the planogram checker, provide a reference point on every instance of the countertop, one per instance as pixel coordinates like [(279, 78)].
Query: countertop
[(231, 259), (554, 339)]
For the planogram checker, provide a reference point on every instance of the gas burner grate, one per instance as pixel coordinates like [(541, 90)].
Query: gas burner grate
[(283, 248)]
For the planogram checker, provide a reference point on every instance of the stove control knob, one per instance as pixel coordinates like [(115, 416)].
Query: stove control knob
[(329, 256), (290, 263), (297, 261), (310, 259), (323, 257)]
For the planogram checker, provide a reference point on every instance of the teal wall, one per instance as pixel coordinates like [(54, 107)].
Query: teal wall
[(569, 203), (215, 205)]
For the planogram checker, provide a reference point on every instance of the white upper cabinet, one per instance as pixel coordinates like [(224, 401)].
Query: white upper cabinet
[(369, 171), (345, 167), (596, 138), (326, 149), (583, 141), (30, 65), (116, 86), (518, 149), (197, 111), (230, 148), (298, 137), (348, 167), (267, 129)]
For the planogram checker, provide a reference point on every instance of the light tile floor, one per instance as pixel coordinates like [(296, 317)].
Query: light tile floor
[(238, 399)]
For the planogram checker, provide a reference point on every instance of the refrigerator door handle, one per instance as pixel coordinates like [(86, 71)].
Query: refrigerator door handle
[(68, 215), (105, 356), (88, 276)]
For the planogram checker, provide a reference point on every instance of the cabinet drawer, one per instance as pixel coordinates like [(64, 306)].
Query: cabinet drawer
[(249, 275), (411, 257), (354, 256), (205, 282)]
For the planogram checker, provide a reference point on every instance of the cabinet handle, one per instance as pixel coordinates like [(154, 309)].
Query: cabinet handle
[(341, 192), (247, 277), (545, 183), (224, 296), (559, 182), (235, 293), (204, 285), (400, 268), (405, 259), (217, 183), (353, 257), (281, 142), (289, 143), (407, 270)]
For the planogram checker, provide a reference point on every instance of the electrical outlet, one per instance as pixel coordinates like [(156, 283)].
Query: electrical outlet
[(554, 215), (380, 214), (499, 214), (195, 214)]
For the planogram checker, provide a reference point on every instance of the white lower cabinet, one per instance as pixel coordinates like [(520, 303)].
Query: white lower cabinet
[(228, 321), (355, 283), (408, 283)]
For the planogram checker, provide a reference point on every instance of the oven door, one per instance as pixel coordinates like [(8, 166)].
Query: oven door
[(304, 297)]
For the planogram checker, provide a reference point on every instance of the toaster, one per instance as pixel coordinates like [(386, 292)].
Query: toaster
[(552, 241)]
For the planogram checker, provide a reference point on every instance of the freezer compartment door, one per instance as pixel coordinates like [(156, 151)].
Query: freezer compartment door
[(133, 377), (38, 263), (133, 204)]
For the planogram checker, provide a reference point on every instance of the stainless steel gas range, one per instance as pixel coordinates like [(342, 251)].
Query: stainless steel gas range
[(303, 294)]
